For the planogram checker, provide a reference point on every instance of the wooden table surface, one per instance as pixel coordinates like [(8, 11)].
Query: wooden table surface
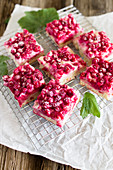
[(15, 160)]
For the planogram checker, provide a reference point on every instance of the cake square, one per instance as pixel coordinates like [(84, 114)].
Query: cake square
[(99, 78), (23, 48), (62, 65), (56, 102), (62, 31), (94, 44), (25, 83)]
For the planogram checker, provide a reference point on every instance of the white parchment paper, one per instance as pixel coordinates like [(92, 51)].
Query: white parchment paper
[(91, 147)]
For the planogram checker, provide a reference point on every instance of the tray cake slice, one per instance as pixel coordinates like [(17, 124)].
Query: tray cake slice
[(25, 83), (23, 48), (56, 102), (94, 44), (62, 65), (99, 78), (63, 31)]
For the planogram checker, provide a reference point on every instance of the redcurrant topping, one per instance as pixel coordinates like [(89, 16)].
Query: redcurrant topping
[(6, 78), (66, 100), (58, 98), (23, 44), (13, 51), (17, 55), (24, 80), (67, 68), (64, 29), (97, 43), (62, 62), (99, 74), (70, 92), (54, 98)]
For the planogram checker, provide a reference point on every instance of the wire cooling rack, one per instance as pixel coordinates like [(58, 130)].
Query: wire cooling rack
[(39, 130)]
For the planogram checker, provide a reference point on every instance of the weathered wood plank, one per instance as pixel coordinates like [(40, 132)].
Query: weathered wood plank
[(83, 6), (94, 7), (47, 3), (15, 160), (6, 8)]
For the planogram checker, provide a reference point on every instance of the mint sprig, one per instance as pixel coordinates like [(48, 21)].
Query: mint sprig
[(89, 106), (35, 20), (3, 65)]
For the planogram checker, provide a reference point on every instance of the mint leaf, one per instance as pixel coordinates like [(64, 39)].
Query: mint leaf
[(35, 20), (3, 69), (89, 106), (3, 65)]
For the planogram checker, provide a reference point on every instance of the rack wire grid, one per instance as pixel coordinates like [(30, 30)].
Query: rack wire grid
[(39, 130)]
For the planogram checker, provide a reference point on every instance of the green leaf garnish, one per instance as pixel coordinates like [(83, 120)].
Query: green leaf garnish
[(3, 69), (3, 65), (89, 106), (35, 20), (3, 58)]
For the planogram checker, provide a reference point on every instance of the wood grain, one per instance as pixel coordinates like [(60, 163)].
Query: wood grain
[(14, 160), (94, 7), (6, 8), (9, 158), (47, 3)]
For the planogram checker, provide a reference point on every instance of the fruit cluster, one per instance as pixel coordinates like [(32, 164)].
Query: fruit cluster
[(64, 29), (24, 81), (94, 44), (55, 101), (61, 63), (23, 47)]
